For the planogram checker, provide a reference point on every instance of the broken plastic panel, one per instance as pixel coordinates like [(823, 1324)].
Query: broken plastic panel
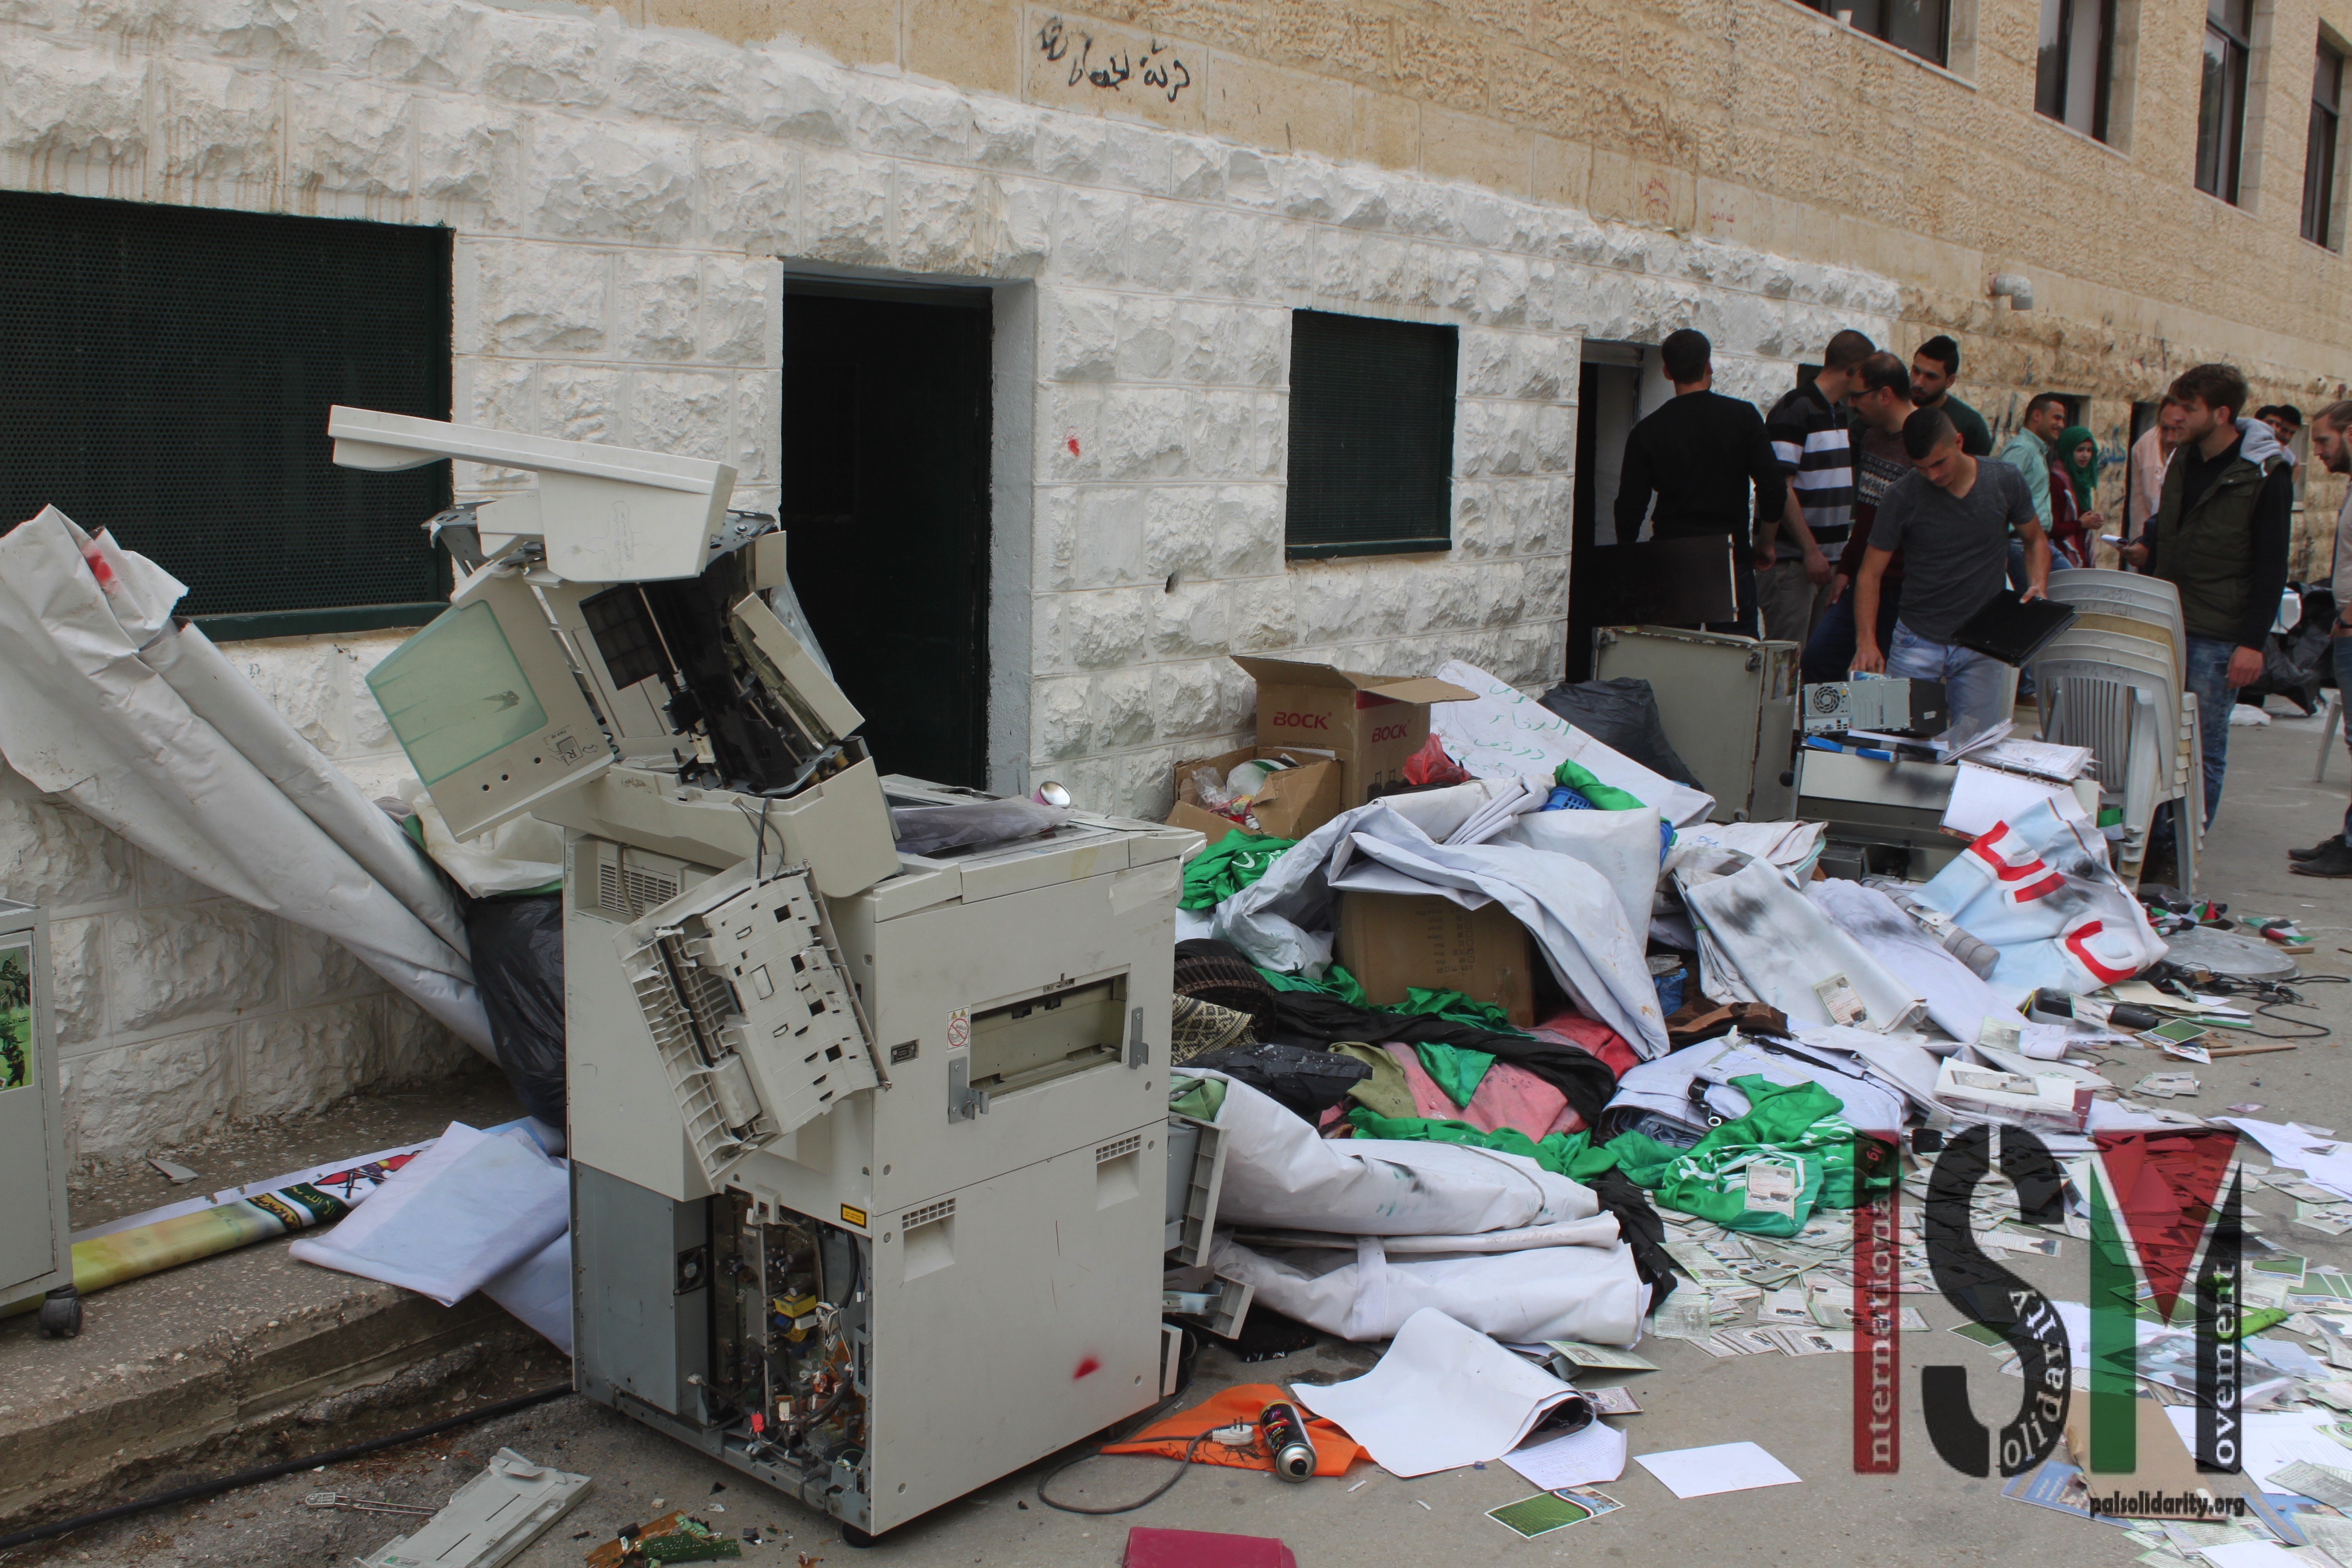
[(758, 1026), (491, 1519), (487, 710)]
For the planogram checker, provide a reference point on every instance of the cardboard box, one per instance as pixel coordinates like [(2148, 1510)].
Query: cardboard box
[(1393, 942), (1371, 723), (2163, 1467), (1293, 803)]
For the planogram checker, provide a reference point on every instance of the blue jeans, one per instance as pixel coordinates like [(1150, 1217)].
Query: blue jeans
[(1976, 685), (2209, 672), (1829, 652)]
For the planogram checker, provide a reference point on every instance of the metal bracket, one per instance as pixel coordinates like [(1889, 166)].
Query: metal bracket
[(964, 1102), (1138, 1053)]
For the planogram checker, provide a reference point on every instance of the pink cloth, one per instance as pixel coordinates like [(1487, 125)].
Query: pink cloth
[(1508, 1096), (1571, 1027)]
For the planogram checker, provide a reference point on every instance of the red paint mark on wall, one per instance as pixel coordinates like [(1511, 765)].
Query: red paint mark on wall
[(1087, 1368), (1073, 443)]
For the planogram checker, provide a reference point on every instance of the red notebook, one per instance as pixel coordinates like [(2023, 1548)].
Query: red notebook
[(1203, 1549)]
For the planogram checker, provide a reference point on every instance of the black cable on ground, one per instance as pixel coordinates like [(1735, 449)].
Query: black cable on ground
[(1183, 1467), (196, 1490)]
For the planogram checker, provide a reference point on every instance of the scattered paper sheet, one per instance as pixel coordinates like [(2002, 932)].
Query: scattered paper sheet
[(2274, 1438), (1984, 797), (1723, 1467), (464, 1212), (1443, 1395), (2252, 1554), (1580, 1458)]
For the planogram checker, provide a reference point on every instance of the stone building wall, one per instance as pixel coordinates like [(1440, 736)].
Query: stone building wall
[(626, 188), (179, 1011)]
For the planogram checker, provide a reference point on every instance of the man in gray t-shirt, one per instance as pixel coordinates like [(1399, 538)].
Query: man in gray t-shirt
[(1952, 517)]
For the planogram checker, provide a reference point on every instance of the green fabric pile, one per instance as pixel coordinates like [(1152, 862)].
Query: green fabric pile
[(1586, 782), (1228, 866), (1793, 1125)]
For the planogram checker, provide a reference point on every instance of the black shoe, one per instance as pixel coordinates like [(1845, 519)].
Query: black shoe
[(2334, 859), (2316, 850)]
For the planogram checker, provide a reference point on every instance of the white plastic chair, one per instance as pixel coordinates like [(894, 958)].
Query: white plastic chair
[(2129, 717)]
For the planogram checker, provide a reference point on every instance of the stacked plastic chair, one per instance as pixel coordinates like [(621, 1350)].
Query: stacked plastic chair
[(2117, 681)]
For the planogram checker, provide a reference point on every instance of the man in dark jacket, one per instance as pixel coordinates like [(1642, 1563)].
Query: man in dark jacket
[(1700, 454), (2220, 535)]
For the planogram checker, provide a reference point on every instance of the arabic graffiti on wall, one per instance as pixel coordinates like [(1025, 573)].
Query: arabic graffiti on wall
[(1157, 67)]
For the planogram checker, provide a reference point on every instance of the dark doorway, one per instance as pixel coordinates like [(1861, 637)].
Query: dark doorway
[(886, 502), (1608, 402)]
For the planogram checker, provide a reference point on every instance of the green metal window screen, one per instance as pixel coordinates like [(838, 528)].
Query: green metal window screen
[(1371, 437), (166, 373), (454, 693)]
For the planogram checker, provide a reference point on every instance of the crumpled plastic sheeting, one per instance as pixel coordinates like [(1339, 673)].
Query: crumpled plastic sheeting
[(1794, 847), (1279, 1173), (1502, 731), (1622, 846), (1282, 920), (2038, 889), (1569, 909), (1784, 948), (1956, 1000), (147, 728), (1589, 1291)]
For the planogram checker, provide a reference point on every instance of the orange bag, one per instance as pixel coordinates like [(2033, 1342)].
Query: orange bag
[(1334, 1449)]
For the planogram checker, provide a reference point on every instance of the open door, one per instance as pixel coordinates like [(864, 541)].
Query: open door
[(886, 503)]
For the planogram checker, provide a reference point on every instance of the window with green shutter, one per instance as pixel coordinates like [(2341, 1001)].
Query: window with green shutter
[(1371, 437), (166, 373)]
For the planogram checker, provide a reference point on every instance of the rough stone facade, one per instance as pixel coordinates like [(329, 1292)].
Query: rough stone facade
[(628, 186), (178, 1010)]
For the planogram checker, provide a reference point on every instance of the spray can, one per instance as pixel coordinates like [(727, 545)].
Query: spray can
[(1284, 1430)]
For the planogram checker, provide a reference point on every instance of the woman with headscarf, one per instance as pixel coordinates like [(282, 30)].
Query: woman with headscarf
[(2074, 481)]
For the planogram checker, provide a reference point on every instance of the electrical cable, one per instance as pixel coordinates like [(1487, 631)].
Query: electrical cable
[(198, 1490), (1191, 1446)]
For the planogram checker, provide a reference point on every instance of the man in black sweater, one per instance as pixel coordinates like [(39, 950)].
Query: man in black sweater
[(1700, 454), (2220, 535)]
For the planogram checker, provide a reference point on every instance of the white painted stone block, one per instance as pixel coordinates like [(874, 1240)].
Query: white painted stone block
[(598, 181), (683, 412), (72, 103), (469, 163), (219, 127), (542, 299), (660, 294), (748, 189), (128, 1102), (1060, 719), (195, 964), (347, 140), (844, 210), (584, 403), (294, 1062), (674, 78), (1122, 708), (428, 42), (53, 856), (78, 978), (543, 60), (735, 323)]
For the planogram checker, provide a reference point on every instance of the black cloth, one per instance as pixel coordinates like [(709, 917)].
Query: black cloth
[(1643, 1231), (1699, 455), (1306, 1018), (2274, 530), (1306, 1079)]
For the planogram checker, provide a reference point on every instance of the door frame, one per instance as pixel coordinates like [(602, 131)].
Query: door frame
[(1011, 412)]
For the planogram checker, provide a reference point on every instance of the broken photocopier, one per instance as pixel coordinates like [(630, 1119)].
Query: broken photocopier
[(867, 1149)]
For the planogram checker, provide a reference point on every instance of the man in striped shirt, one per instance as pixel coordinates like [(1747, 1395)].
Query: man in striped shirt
[(1810, 433)]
